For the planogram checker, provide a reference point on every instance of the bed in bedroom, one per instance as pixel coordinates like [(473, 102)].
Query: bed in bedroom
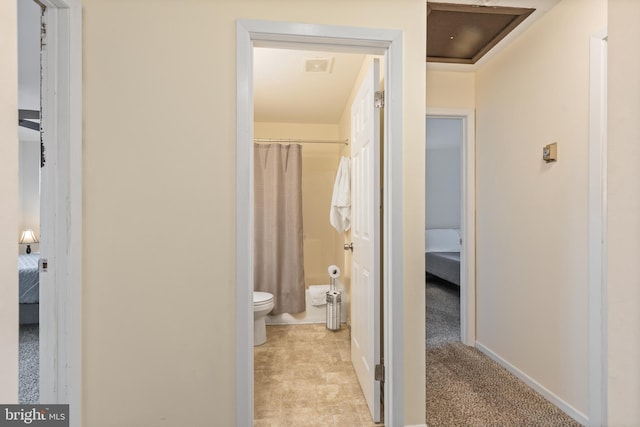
[(29, 288), (442, 254)]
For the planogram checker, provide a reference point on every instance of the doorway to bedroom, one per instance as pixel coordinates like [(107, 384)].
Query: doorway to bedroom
[(30, 16), (51, 82), (449, 227), (443, 214)]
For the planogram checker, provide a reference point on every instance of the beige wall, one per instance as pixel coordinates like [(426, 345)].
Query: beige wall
[(322, 243), (159, 169), (450, 89), (9, 203), (532, 217), (623, 279)]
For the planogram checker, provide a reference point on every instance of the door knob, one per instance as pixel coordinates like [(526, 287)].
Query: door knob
[(348, 246)]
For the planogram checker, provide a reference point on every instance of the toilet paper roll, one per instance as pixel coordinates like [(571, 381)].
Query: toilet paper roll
[(334, 271)]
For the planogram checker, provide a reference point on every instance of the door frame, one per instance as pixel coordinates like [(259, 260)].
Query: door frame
[(61, 203), (256, 33), (598, 229), (467, 219)]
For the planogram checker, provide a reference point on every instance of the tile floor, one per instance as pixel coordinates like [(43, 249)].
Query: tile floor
[(304, 378)]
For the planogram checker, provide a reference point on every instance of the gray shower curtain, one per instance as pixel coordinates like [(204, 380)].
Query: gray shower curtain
[(278, 264)]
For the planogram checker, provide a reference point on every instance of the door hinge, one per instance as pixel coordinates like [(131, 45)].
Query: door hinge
[(44, 265), (379, 373), (378, 99)]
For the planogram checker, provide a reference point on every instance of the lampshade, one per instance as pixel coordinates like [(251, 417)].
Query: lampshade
[(28, 236)]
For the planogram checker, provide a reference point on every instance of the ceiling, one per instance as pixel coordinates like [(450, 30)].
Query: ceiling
[(298, 86), (283, 92)]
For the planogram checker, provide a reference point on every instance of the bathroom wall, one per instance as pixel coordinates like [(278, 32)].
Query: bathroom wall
[(322, 243)]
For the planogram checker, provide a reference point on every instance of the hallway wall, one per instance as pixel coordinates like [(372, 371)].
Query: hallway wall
[(160, 164), (623, 269), (532, 217), (450, 89)]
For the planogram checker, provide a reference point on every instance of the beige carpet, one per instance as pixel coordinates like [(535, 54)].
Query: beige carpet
[(467, 388)]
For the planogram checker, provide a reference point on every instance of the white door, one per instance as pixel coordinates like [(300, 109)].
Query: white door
[(365, 229)]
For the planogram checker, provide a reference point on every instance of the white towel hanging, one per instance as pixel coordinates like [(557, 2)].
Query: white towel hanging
[(340, 213)]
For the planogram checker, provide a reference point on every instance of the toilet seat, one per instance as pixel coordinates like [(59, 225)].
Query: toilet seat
[(262, 300), (261, 297)]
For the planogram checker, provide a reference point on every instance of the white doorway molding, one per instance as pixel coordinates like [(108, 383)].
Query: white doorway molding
[(467, 220), (61, 208), (598, 230), (250, 34)]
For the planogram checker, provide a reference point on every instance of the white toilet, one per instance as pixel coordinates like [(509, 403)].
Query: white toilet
[(262, 305)]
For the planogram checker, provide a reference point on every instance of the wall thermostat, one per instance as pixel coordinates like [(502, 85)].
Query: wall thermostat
[(550, 153)]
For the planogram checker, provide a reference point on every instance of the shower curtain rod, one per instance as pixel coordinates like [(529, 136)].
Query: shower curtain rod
[(302, 141)]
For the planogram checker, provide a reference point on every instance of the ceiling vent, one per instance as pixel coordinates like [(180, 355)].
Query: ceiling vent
[(318, 65)]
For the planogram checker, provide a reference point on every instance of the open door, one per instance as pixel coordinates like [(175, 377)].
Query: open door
[(365, 229)]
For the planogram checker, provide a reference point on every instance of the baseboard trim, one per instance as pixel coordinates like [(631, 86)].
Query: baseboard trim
[(417, 425), (561, 404)]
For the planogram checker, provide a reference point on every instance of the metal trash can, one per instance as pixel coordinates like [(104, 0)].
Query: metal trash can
[(334, 306)]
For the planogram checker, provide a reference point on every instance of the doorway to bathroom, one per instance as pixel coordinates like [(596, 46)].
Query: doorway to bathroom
[(303, 102), (332, 39), (299, 99)]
